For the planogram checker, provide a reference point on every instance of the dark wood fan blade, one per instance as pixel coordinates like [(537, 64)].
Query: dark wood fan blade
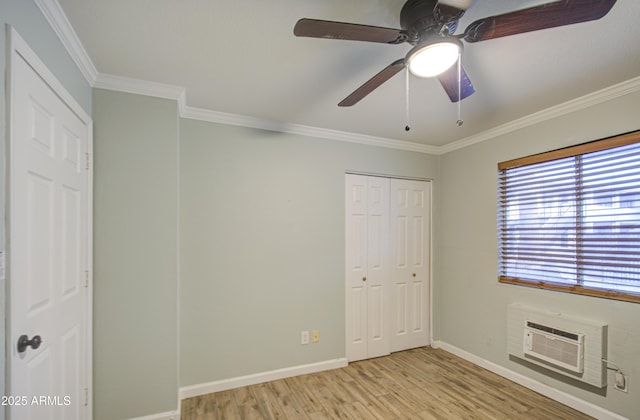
[(349, 31), (369, 86), (449, 81), (550, 15)]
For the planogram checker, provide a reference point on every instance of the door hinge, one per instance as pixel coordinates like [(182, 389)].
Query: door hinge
[(88, 160), (86, 278), (86, 397)]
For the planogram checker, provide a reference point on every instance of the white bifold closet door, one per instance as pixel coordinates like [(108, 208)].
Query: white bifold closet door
[(410, 268), (387, 265), (367, 277)]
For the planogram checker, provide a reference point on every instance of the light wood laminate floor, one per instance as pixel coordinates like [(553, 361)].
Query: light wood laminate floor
[(422, 383)]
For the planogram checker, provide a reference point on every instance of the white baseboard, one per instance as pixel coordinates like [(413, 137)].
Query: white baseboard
[(223, 385), (169, 415), (562, 397)]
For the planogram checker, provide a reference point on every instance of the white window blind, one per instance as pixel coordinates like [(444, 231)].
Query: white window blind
[(569, 219)]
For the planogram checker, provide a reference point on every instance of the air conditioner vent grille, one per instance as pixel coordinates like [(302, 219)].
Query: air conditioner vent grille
[(556, 350), (555, 346), (554, 331)]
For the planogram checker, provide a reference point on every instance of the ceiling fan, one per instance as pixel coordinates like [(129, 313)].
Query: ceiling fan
[(429, 25)]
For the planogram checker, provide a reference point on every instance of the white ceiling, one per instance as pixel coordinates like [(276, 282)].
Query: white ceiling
[(241, 57)]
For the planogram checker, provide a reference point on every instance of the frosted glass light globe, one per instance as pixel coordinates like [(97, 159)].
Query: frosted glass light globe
[(433, 59)]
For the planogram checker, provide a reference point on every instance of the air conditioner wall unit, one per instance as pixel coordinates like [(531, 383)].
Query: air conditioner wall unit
[(566, 344), (555, 346)]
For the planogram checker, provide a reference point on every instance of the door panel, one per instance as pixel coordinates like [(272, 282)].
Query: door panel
[(410, 209), (358, 250), (374, 241), (356, 296), (376, 328), (356, 264), (401, 315), (358, 315), (367, 277), (418, 306), (418, 242), (39, 243), (48, 249), (71, 241), (378, 266), (401, 237)]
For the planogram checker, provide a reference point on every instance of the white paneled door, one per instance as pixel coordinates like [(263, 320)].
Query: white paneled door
[(49, 242), (367, 276), (410, 268), (387, 265)]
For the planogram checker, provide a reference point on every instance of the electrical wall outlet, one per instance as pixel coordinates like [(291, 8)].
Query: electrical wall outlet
[(315, 336), (304, 337), (621, 382)]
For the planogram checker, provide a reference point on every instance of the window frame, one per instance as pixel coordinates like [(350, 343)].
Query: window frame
[(568, 152)]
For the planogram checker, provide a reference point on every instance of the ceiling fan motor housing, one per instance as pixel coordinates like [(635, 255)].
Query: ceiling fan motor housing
[(419, 22)]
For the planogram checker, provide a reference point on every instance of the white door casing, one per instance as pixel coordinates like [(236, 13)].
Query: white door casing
[(49, 243), (410, 268), (367, 272)]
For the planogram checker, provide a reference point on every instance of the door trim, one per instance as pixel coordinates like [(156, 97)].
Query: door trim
[(17, 47)]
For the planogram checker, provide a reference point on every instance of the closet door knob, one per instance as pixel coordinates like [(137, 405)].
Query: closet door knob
[(364, 279), (414, 274)]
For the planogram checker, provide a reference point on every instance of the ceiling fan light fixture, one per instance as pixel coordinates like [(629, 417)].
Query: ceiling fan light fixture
[(458, 4), (434, 57)]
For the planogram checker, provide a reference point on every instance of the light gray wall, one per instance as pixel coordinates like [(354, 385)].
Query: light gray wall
[(261, 249), (135, 255), (262, 245), (29, 22), (470, 304)]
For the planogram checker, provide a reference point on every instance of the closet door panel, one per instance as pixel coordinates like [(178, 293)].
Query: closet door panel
[(356, 267), (410, 214), (367, 243)]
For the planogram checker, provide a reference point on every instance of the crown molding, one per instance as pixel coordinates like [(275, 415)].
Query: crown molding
[(140, 87), (603, 95), (303, 130), (58, 21), (160, 90), (143, 87)]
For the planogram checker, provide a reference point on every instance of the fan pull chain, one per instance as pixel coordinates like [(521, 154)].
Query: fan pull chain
[(459, 122), (407, 127)]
